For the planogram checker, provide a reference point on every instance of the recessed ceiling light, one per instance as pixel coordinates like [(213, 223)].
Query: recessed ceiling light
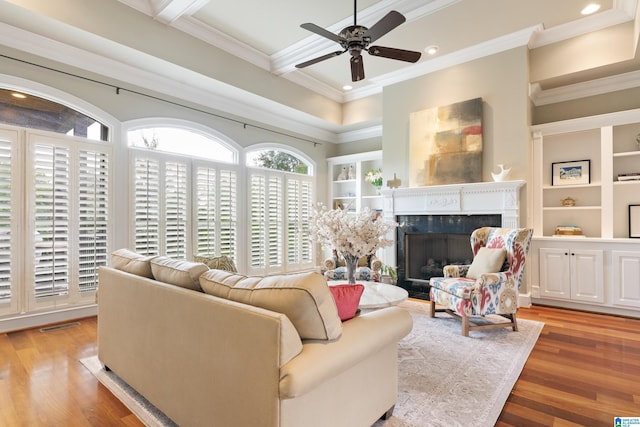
[(432, 50), (18, 95), (590, 8), (347, 87)]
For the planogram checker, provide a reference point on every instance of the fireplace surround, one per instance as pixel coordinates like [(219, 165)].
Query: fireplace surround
[(439, 220)]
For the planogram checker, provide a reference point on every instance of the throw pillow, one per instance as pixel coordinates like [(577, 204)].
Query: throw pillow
[(218, 263), (347, 298), (303, 297), (177, 272), (487, 260), (132, 262)]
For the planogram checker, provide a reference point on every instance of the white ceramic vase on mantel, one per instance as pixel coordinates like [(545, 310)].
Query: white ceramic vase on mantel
[(502, 175)]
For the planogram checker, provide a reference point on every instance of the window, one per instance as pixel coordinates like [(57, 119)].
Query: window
[(280, 197), (184, 204), (29, 111)]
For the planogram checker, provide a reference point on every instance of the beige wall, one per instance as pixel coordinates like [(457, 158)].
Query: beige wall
[(500, 80)]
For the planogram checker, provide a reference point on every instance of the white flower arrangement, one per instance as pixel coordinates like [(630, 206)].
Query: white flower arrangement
[(374, 177), (358, 234)]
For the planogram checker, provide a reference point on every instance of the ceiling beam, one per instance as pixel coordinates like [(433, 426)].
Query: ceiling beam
[(167, 11)]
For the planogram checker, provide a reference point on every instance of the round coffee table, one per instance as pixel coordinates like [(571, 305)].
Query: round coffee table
[(377, 295)]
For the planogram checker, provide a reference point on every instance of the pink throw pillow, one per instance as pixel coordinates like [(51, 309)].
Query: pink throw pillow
[(347, 298)]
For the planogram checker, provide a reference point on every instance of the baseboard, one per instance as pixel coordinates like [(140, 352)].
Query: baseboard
[(28, 321), (524, 300)]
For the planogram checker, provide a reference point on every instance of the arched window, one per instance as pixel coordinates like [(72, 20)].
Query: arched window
[(185, 189), (18, 108), (280, 185), (178, 139)]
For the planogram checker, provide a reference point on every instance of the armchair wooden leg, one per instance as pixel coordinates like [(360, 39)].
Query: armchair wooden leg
[(465, 325), (433, 309)]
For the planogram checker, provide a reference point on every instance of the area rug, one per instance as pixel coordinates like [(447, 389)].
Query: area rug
[(445, 379)]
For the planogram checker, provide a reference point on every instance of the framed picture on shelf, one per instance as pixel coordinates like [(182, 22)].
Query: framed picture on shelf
[(571, 173), (634, 221)]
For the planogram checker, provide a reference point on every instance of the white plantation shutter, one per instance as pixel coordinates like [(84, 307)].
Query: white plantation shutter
[(275, 221), (257, 228), (93, 202), (299, 199), (51, 167), (6, 160), (216, 215), (175, 210), (147, 206), (279, 205)]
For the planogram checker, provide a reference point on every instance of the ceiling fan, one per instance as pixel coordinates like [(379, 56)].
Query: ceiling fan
[(356, 38)]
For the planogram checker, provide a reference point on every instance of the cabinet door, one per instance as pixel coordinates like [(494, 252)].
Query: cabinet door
[(555, 278), (586, 275), (626, 278)]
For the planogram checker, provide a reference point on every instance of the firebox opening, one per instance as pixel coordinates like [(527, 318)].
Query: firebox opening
[(426, 243)]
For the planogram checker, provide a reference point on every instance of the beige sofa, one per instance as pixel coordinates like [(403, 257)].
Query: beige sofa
[(216, 360)]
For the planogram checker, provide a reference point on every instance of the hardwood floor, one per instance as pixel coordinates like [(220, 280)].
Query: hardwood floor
[(583, 371)]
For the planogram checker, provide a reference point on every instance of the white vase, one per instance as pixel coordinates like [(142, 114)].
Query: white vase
[(502, 175)]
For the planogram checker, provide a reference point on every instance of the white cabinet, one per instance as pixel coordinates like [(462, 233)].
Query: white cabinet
[(348, 188), (626, 277), (571, 274)]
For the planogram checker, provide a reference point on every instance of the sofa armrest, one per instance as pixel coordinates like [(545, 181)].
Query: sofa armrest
[(321, 360)]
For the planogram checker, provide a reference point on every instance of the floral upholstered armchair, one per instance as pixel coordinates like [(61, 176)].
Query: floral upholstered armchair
[(368, 268), (490, 285)]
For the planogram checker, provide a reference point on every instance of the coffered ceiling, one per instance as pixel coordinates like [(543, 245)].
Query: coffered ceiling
[(268, 33)]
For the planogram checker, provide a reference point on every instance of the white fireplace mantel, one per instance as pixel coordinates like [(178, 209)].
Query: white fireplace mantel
[(479, 198)]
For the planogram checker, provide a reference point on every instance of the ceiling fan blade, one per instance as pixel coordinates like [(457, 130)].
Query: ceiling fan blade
[(320, 58), (322, 32), (388, 22), (392, 53), (357, 68)]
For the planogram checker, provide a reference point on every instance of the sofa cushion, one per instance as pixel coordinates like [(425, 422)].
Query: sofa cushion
[(347, 298), (303, 297), (487, 260), (219, 263), (177, 272), (132, 262)]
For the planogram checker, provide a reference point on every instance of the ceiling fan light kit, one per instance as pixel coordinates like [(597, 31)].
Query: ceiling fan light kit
[(356, 38)]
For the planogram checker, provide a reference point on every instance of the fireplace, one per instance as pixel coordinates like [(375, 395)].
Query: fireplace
[(436, 223), (426, 243)]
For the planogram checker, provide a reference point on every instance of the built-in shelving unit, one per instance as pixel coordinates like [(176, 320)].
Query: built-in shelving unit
[(601, 268), (348, 188)]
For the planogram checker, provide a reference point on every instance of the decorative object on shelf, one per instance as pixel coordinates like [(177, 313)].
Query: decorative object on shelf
[(502, 175), (351, 173), (394, 183), (638, 141), (634, 221), (571, 173), (389, 271), (343, 174), (632, 176), (353, 235), (568, 202), (446, 144), (374, 177), (568, 230)]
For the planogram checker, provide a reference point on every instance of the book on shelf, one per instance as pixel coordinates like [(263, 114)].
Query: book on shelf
[(632, 176)]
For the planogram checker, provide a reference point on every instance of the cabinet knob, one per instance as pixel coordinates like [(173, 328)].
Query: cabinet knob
[(566, 253)]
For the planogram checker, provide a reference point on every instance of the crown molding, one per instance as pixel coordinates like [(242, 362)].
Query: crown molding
[(490, 47), (622, 11), (169, 79), (360, 134), (601, 86)]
